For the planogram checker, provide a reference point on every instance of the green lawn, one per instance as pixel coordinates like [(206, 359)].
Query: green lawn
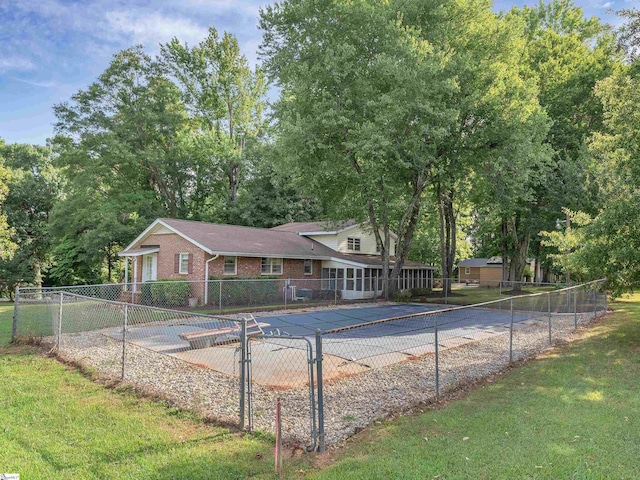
[(572, 414), (469, 295)]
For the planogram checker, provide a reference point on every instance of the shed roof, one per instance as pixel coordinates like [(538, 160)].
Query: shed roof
[(494, 262)]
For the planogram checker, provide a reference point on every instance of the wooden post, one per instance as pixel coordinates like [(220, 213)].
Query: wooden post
[(278, 448)]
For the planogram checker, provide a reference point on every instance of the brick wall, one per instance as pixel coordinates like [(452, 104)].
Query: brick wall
[(250, 267), (170, 244)]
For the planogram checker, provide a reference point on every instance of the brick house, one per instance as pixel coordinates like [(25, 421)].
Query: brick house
[(340, 256)]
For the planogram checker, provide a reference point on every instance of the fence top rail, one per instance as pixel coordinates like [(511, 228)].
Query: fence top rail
[(461, 307), (157, 309), (170, 282)]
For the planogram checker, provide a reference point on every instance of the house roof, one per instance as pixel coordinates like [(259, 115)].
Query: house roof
[(316, 227), (234, 240), (222, 239), (481, 262), (320, 228)]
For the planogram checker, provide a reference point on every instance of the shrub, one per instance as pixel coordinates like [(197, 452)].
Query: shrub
[(247, 291), (401, 296), (420, 291), (166, 293)]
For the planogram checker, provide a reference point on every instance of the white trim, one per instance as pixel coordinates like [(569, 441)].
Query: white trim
[(145, 251), (235, 265), (309, 234), (180, 272), (174, 230), (273, 255), (335, 232)]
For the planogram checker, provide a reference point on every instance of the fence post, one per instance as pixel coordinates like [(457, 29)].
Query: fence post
[(59, 321), (511, 333), (575, 309), (595, 303), (220, 294), (606, 301), (437, 357), (321, 444), (286, 291), (549, 311), (500, 294), (335, 290), (14, 326), (243, 360), (124, 338), (278, 447)]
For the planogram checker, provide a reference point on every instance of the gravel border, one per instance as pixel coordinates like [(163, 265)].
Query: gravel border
[(351, 403)]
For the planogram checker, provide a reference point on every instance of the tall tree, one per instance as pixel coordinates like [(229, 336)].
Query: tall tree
[(568, 54), (225, 98), (362, 108), (32, 190), (611, 245), (7, 246), (120, 150), (498, 115)]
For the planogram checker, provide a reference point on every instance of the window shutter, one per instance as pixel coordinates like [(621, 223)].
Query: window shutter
[(176, 264), (190, 263)]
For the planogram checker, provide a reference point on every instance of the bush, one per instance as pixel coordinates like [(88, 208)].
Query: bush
[(166, 293), (246, 292), (401, 296), (420, 291)]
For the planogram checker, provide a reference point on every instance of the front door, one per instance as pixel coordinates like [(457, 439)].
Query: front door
[(150, 267)]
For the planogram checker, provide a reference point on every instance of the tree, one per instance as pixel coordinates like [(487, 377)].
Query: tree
[(568, 54), (272, 195), (611, 246), (366, 105), (498, 114), (7, 246), (225, 99), (32, 190)]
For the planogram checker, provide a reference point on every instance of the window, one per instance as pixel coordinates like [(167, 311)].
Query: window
[(308, 266), (467, 270), (271, 266), (230, 265), (184, 264), (353, 244)]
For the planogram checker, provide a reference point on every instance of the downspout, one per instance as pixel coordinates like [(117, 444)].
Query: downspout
[(206, 278)]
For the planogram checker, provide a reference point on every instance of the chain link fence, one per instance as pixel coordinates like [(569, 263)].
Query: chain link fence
[(341, 370)]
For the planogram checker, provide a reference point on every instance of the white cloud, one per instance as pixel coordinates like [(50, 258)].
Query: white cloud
[(16, 64), (152, 29), (35, 83), (607, 5)]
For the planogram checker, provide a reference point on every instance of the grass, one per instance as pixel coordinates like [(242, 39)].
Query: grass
[(572, 414), (469, 295), (6, 319)]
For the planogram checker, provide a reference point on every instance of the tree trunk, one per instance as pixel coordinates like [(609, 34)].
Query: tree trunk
[(505, 249), (447, 236), (520, 253), (407, 227)]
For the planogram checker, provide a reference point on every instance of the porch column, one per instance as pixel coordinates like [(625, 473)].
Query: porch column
[(126, 273), (135, 272)]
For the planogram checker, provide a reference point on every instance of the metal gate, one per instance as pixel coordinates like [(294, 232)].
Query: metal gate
[(288, 368)]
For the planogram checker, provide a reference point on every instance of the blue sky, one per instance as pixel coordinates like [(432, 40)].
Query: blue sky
[(53, 48)]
